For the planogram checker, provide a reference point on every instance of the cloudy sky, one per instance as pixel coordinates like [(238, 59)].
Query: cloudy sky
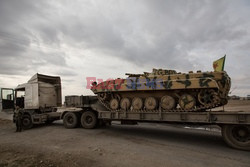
[(106, 39)]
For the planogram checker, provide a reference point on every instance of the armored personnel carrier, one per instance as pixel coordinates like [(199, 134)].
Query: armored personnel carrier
[(164, 90)]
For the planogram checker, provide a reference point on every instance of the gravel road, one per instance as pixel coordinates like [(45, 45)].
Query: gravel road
[(147, 145)]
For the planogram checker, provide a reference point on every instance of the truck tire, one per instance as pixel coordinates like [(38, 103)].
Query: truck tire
[(237, 136), (88, 120), (27, 122), (70, 120)]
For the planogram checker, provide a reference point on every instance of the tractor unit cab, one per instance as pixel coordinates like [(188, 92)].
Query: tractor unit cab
[(41, 93)]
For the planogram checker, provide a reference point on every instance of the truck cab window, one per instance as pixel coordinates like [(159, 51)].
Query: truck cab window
[(20, 98), (7, 94)]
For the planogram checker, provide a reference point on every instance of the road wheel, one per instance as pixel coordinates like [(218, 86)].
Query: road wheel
[(125, 103), (89, 120), (137, 103), (237, 136), (70, 120), (114, 104), (27, 122), (168, 102), (150, 103), (187, 102)]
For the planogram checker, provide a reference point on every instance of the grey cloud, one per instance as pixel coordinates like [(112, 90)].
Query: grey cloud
[(66, 72), (18, 31), (10, 48), (145, 33)]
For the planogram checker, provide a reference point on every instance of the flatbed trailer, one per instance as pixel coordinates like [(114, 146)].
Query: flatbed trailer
[(235, 126), (208, 117)]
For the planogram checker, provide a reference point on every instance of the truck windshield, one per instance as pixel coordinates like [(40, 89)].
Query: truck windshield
[(20, 93)]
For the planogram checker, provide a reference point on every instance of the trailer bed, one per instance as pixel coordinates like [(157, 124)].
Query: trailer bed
[(235, 126), (209, 117)]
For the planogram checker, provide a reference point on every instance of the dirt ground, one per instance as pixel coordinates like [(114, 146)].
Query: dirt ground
[(118, 145), (236, 105)]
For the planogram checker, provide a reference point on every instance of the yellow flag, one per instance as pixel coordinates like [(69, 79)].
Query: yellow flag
[(219, 64)]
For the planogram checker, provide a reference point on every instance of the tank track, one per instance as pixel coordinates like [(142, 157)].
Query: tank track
[(197, 109)]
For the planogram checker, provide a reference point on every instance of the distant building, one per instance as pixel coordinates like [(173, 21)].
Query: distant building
[(248, 97), (234, 97)]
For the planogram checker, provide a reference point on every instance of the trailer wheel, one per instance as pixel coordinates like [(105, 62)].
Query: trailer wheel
[(88, 120), (237, 136), (70, 120), (27, 122)]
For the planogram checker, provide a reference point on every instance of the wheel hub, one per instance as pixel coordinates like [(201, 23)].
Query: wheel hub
[(114, 104), (137, 103), (125, 103), (70, 120), (187, 102), (208, 98), (89, 119), (241, 134), (26, 122), (150, 103), (168, 102)]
